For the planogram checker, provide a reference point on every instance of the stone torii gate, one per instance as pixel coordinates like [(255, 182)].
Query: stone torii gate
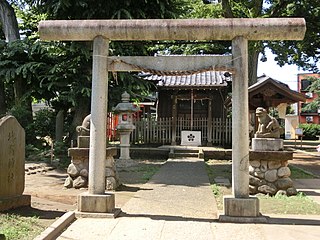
[(239, 205)]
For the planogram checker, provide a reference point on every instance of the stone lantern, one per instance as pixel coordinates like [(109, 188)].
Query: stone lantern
[(125, 126)]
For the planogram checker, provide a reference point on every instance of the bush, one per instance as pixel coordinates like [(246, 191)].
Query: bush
[(44, 123), (310, 131), (22, 114), (24, 117)]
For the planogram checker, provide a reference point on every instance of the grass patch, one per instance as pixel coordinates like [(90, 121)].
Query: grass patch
[(219, 168), (148, 172), (222, 168), (298, 173), (17, 227), (300, 204)]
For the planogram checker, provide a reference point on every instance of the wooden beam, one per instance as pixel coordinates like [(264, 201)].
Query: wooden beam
[(174, 29), (170, 63)]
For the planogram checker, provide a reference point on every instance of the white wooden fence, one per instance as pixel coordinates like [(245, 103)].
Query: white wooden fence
[(160, 131)]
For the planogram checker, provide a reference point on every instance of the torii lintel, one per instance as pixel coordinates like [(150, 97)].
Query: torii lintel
[(174, 29)]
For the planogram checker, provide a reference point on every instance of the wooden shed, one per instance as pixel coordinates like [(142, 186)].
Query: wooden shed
[(268, 92)]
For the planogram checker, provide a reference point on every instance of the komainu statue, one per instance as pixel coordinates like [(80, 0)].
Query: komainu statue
[(84, 129), (268, 126)]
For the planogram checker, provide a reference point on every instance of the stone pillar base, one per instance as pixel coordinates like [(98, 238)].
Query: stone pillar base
[(241, 210), (228, 219), (267, 144), (7, 203), (101, 204)]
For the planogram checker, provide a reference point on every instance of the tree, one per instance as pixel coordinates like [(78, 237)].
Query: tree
[(61, 72), (10, 31), (102, 9), (303, 53), (314, 88), (306, 53)]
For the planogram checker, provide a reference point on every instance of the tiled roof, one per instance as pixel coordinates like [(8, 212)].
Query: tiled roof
[(202, 80), (279, 87)]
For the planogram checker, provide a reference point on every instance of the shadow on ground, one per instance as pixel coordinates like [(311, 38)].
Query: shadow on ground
[(31, 212)]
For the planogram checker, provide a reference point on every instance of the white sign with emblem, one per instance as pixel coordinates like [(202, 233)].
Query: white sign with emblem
[(191, 138)]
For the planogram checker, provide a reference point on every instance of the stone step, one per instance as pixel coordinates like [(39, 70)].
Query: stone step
[(34, 168), (222, 181), (185, 154), (186, 150)]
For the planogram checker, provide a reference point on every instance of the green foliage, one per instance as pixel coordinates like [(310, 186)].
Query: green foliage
[(314, 88), (279, 204), (107, 9), (149, 171), (61, 154), (303, 53), (16, 227), (47, 69), (216, 190), (44, 123), (193, 9), (196, 9), (60, 72), (310, 131), (21, 113), (298, 173)]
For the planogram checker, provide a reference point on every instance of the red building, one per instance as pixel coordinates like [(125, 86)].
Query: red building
[(311, 116)]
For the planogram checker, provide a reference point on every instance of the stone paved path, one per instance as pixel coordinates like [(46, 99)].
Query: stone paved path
[(177, 204), (177, 201)]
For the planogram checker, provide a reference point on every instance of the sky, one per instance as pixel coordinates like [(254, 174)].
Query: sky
[(286, 74)]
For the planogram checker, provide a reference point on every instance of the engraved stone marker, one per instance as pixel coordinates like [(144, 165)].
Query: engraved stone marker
[(12, 157)]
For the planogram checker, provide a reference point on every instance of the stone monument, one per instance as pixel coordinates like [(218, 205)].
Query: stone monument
[(12, 160), (125, 127), (268, 165)]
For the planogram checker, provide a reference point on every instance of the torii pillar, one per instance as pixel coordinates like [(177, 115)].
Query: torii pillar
[(238, 207)]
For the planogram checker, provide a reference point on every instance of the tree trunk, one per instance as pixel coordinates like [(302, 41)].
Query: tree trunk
[(59, 126), (3, 107), (253, 66)]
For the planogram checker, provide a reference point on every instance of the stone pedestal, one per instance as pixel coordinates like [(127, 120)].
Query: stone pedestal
[(83, 141), (268, 168), (242, 210), (79, 168), (96, 205), (270, 174), (267, 144)]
